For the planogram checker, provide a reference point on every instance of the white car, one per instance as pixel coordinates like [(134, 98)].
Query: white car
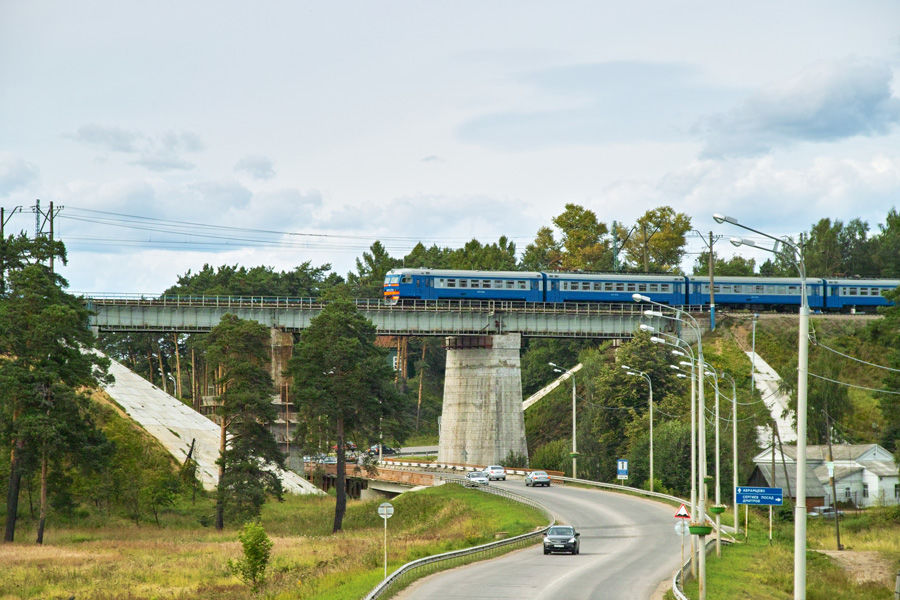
[(495, 472), (476, 478)]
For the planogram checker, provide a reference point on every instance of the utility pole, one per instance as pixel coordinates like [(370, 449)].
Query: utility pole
[(712, 297), (4, 219), (615, 248), (48, 218), (830, 463)]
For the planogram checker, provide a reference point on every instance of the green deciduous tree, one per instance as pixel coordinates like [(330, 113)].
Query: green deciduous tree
[(583, 241), (737, 266), (657, 242), (343, 385), (368, 280), (248, 451)]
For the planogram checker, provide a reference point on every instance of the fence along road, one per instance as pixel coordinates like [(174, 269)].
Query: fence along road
[(628, 547)]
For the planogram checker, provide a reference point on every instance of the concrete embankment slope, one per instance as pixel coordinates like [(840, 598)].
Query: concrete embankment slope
[(175, 425)]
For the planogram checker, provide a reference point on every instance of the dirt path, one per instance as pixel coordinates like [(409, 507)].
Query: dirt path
[(864, 565)]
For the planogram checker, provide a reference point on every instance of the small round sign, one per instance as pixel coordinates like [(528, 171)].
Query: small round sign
[(385, 510)]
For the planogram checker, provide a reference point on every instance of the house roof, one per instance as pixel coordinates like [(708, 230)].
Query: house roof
[(881, 468), (839, 472), (817, 453), (813, 485)]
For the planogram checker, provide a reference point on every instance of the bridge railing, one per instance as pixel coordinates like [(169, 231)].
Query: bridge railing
[(430, 564), (372, 304)]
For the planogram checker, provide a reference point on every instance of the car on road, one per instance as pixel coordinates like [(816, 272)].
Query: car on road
[(495, 472), (536, 478), (476, 478), (385, 450), (562, 538), (826, 512)]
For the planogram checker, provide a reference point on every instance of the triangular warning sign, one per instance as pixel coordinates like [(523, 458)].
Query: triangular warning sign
[(682, 513)]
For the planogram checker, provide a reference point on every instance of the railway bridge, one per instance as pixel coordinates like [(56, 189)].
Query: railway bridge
[(482, 419)]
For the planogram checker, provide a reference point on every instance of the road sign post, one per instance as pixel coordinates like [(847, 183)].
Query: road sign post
[(385, 510), (622, 469), (758, 496)]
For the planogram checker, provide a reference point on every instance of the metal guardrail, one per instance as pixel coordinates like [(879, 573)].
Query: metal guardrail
[(430, 564)]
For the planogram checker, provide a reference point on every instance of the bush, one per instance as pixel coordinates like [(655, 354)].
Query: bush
[(251, 569)]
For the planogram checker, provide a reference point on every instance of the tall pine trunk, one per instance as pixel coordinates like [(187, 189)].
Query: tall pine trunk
[(43, 519), (340, 506), (220, 493), (12, 494)]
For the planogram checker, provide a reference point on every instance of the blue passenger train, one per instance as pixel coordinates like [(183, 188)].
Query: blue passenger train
[(758, 293)]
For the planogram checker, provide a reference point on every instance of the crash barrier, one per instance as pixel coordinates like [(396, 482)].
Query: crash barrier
[(417, 569), (678, 577)]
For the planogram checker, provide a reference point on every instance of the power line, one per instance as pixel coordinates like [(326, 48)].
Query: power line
[(853, 385)]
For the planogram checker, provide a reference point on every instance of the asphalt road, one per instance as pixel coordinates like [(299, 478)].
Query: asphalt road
[(628, 546)]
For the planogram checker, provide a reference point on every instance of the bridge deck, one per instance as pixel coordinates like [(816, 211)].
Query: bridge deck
[(422, 318)]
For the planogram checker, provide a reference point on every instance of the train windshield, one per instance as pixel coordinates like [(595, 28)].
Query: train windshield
[(391, 279)]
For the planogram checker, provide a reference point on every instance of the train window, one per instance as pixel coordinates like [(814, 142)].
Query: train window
[(463, 283), (586, 285), (473, 283), (630, 287), (793, 290), (522, 285), (781, 290), (642, 287), (758, 289), (874, 292), (620, 287), (451, 283), (510, 284), (665, 287), (486, 283), (716, 288), (406, 279), (863, 291), (598, 286), (654, 287), (608, 286), (851, 291)]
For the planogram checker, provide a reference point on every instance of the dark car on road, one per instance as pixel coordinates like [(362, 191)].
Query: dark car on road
[(562, 538), (385, 450)]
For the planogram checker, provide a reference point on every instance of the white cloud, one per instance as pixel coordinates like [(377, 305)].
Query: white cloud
[(824, 103), (15, 174), (258, 167)]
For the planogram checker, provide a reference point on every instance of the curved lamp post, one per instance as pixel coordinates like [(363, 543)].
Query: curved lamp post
[(558, 369), (718, 508), (644, 375), (802, 378), (698, 525)]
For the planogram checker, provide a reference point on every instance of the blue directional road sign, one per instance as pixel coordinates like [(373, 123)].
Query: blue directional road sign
[(759, 496), (622, 469)]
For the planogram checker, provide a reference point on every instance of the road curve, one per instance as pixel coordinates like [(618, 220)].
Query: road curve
[(628, 546)]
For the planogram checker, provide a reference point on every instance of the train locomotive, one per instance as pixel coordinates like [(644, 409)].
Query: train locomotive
[(755, 293)]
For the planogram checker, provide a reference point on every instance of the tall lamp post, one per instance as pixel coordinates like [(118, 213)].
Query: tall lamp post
[(802, 378), (734, 449), (698, 525), (558, 369), (635, 373), (680, 345), (717, 509)]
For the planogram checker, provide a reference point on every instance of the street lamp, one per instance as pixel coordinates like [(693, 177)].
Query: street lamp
[(643, 374), (717, 509), (802, 378), (681, 345), (734, 449), (558, 369), (698, 526)]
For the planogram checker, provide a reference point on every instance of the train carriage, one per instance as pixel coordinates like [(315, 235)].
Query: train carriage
[(614, 287), (438, 284), (858, 294), (762, 292)]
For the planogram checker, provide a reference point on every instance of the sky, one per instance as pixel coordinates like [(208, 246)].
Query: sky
[(169, 135)]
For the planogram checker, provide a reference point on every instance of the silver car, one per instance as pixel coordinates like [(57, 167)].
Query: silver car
[(536, 478), (494, 472), (476, 478)]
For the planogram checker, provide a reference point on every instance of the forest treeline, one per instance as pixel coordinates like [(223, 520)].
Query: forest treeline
[(68, 473)]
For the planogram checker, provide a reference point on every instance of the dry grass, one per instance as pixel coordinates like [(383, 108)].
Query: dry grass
[(308, 562)]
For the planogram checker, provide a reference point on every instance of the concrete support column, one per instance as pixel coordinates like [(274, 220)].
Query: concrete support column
[(482, 420)]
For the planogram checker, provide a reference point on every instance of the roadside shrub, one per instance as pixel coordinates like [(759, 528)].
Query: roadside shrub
[(251, 569)]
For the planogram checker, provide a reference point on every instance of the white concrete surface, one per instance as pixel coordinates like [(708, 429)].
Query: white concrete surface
[(175, 424), (482, 419), (549, 388), (767, 382)]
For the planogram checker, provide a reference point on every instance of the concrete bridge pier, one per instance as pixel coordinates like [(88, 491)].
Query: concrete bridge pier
[(482, 420)]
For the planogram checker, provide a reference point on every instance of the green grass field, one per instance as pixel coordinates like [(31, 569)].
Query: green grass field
[(763, 570), (183, 559)]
